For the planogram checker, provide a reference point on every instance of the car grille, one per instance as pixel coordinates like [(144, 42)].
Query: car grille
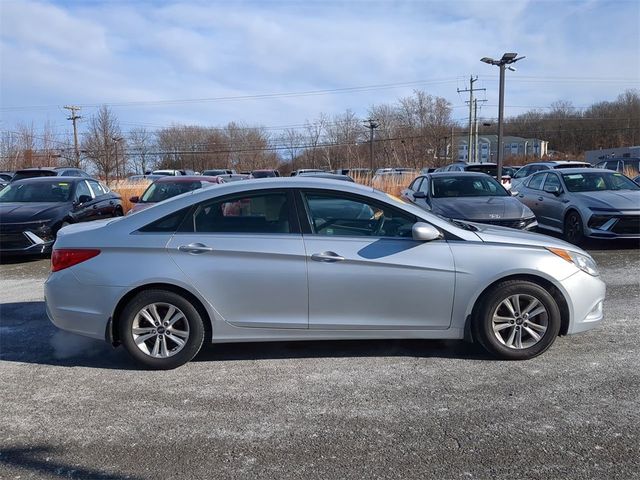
[(14, 241), (627, 225)]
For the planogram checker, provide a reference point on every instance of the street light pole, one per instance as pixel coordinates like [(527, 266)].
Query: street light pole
[(501, 124), (505, 62)]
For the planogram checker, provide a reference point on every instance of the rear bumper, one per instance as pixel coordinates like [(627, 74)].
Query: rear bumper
[(78, 308), (585, 296)]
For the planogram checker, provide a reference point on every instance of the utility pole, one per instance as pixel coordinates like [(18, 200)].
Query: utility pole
[(470, 133), (73, 119), (372, 125), (475, 122)]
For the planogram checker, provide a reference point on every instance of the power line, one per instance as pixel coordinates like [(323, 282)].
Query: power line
[(306, 93)]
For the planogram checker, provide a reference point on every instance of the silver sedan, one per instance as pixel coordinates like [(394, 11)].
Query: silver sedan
[(313, 259)]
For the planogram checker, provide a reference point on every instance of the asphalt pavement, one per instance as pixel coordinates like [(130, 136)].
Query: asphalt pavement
[(76, 408)]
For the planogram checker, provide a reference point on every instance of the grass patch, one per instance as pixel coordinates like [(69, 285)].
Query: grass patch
[(128, 189)]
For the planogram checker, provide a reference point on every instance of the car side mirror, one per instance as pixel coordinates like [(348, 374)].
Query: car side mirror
[(424, 232), (419, 195), (555, 189), (134, 199), (84, 199)]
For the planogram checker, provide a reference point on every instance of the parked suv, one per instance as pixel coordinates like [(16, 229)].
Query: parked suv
[(49, 172), (534, 167)]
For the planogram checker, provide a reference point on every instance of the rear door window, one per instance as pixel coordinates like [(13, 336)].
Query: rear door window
[(246, 213)]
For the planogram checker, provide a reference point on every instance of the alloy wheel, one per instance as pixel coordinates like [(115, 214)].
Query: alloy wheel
[(520, 321), (160, 330), (573, 228)]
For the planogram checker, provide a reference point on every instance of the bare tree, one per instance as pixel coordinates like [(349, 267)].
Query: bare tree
[(100, 143), (141, 145)]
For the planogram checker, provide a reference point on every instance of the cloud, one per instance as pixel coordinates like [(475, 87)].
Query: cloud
[(94, 52)]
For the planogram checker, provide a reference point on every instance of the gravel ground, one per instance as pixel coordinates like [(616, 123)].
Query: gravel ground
[(75, 408)]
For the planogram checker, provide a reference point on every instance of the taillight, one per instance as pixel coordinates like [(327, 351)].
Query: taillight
[(68, 257)]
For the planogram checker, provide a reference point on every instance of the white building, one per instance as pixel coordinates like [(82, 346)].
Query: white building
[(594, 156), (513, 146)]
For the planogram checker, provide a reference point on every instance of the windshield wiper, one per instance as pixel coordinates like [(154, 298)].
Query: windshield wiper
[(463, 225)]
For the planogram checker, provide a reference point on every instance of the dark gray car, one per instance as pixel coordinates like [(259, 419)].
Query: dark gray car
[(584, 202), (474, 197)]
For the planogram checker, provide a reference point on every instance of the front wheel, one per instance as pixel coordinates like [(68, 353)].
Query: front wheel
[(573, 228), (161, 329), (517, 320)]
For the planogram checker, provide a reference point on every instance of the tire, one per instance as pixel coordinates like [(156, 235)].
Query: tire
[(506, 334), (573, 230), (118, 212), (144, 339)]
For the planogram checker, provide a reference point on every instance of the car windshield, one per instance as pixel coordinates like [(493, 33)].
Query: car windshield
[(467, 186), (159, 191), (37, 192), (263, 173), (597, 181), (33, 174)]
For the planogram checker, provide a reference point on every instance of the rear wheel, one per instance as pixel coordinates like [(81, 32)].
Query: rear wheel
[(118, 212), (573, 228), (517, 320), (161, 329)]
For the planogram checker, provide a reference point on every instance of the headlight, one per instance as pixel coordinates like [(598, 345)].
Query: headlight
[(583, 262)]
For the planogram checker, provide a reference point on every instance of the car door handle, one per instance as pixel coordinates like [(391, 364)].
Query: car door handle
[(95, 206), (327, 257), (195, 248), (540, 198), (521, 195)]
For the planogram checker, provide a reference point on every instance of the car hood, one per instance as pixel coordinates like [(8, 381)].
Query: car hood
[(511, 236), (481, 208), (30, 212), (610, 199)]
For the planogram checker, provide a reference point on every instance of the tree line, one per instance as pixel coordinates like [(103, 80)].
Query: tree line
[(415, 131)]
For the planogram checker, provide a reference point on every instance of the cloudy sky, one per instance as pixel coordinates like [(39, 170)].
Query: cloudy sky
[(280, 63)]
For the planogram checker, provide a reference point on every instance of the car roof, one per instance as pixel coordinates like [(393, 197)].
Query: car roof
[(456, 174), (186, 178), (577, 170), (325, 175), (52, 179), (557, 162)]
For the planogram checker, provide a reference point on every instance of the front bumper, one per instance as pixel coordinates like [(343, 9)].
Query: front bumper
[(585, 296), (24, 243), (602, 225), (78, 308)]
